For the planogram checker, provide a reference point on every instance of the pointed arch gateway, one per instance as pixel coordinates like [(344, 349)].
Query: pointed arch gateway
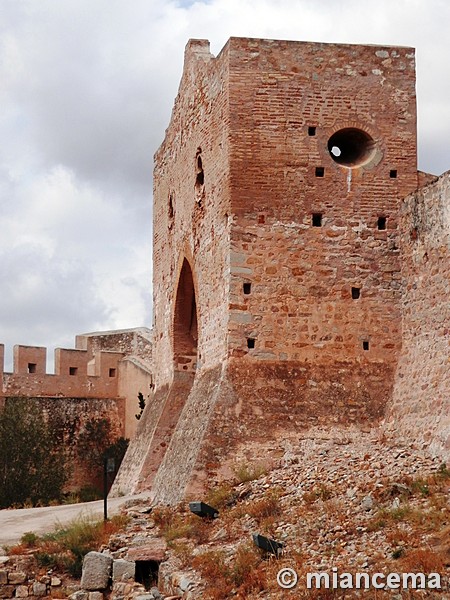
[(185, 327)]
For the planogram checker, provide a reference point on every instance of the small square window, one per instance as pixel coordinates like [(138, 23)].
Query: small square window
[(31, 367), (320, 171), (250, 342), (393, 173), (381, 223), (356, 293), (316, 219), (247, 287), (112, 372), (311, 130), (365, 345), (73, 370)]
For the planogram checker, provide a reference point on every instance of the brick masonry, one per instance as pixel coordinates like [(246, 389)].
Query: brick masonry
[(277, 266)]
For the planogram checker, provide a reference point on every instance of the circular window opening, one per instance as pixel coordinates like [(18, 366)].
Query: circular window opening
[(351, 147)]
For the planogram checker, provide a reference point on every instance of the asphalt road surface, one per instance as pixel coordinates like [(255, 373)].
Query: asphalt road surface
[(14, 523)]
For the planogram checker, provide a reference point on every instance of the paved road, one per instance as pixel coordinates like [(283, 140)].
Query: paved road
[(14, 523)]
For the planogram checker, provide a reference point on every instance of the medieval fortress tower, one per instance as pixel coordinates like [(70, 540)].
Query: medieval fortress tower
[(301, 270)]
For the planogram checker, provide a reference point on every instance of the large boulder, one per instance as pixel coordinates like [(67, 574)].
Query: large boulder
[(97, 569)]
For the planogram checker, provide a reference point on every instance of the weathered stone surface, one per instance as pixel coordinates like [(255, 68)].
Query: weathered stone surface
[(79, 595), (123, 570), (419, 408), (156, 550), (22, 591), (39, 589), (17, 577), (367, 503), (95, 596), (97, 570), (3, 576), (55, 581), (7, 591)]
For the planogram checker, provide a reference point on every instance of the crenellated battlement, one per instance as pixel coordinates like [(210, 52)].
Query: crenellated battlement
[(76, 375), (111, 365)]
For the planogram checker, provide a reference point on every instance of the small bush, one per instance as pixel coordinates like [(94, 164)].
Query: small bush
[(245, 473), (246, 572), (268, 506), (443, 472), (320, 492), (424, 560), (29, 539), (216, 573), (221, 496)]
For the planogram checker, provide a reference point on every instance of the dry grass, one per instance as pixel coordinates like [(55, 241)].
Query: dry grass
[(65, 547), (424, 560), (221, 496), (397, 536), (244, 573), (245, 473)]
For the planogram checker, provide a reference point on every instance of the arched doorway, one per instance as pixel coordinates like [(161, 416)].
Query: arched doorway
[(185, 331)]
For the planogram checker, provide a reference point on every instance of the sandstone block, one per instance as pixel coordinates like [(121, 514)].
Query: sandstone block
[(22, 591), (156, 551), (18, 577), (7, 591), (3, 576), (123, 570), (97, 569), (95, 596)]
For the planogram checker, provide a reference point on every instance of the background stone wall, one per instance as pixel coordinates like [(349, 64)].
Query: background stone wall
[(68, 417)]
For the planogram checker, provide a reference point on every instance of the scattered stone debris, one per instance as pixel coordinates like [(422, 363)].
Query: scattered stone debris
[(371, 504)]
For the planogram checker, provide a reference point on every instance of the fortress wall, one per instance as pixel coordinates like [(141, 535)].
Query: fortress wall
[(131, 342), (421, 401), (296, 339), (72, 378), (68, 417)]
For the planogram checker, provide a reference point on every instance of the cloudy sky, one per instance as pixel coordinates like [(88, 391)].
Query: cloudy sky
[(86, 90)]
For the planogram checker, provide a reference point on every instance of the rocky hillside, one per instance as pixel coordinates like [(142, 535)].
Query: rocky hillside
[(341, 503)]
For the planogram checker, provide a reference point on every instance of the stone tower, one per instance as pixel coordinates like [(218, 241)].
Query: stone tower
[(276, 271)]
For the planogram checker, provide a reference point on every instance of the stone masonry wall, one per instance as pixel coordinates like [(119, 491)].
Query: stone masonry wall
[(420, 407), (131, 342)]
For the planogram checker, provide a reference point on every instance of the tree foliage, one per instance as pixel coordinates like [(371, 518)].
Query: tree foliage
[(32, 464), (97, 442)]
